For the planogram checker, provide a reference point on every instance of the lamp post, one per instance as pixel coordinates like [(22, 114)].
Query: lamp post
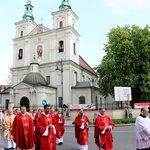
[(61, 70)]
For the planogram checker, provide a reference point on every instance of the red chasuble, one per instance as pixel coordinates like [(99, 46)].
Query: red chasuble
[(105, 140), (81, 134), (23, 131), (59, 125), (47, 142)]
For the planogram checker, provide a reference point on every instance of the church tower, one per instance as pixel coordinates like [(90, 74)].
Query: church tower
[(65, 33), (21, 43)]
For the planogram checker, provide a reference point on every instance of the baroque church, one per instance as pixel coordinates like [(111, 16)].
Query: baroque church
[(47, 67)]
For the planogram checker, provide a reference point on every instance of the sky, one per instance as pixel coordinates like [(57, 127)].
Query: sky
[(96, 19)]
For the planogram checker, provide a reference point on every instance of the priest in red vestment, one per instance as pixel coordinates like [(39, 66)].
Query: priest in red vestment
[(81, 130), (59, 121), (23, 130), (45, 130), (103, 127)]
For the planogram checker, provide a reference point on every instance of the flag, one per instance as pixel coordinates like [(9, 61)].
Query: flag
[(12, 92), (59, 47)]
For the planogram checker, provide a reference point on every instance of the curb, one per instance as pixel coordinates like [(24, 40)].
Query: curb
[(116, 125)]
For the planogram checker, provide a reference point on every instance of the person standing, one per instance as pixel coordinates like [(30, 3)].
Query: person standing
[(102, 131), (6, 131), (142, 126), (32, 114), (23, 130), (59, 122), (37, 142), (1, 118), (81, 130), (129, 112), (45, 130)]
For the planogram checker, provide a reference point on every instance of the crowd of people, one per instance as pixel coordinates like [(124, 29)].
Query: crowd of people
[(24, 130), (45, 129)]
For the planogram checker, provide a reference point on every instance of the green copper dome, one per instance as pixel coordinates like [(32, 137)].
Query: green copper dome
[(65, 5), (34, 61), (28, 11), (34, 79)]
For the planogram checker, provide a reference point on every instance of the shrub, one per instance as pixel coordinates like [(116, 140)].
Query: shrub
[(119, 121), (124, 121)]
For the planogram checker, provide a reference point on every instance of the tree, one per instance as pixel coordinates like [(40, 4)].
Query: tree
[(127, 62), (9, 77)]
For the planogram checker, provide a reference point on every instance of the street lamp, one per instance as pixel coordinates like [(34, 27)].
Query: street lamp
[(61, 70)]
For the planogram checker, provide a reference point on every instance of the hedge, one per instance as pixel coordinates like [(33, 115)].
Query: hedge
[(119, 121)]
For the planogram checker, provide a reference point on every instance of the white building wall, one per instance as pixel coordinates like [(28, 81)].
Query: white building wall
[(86, 92)]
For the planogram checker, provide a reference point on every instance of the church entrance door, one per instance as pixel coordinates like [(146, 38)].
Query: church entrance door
[(25, 102)]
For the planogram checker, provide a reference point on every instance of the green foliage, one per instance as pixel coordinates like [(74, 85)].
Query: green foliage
[(127, 62), (124, 121)]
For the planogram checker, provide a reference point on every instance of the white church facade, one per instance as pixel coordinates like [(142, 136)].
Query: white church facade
[(47, 67)]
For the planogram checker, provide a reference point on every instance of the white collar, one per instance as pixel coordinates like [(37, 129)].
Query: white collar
[(101, 115), (45, 114)]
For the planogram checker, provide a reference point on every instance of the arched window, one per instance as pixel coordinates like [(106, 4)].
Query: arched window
[(20, 53), (60, 24), (100, 101), (21, 34), (7, 103), (60, 102), (82, 100), (61, 46), (96, 103), (74, 48)]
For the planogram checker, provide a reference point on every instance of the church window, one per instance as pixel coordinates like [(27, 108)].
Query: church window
[(60, 24), (96, 102), (7, 103), (82, 100), (48, 80), (61, 46), (75, 77), (83, 77), (21, 34), (101, 101), (20, 53), (74, 48), (60, 100)]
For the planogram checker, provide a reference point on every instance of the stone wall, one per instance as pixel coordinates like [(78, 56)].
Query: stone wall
[(114, 114)]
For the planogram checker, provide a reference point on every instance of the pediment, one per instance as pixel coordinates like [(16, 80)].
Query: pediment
[(22, 85), (39, 29)]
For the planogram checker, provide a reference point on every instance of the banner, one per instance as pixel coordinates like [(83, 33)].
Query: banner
[(82, 106), (140, 105)]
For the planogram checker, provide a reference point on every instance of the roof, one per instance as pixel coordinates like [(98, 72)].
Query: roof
[(34, 61), (85, 84), (6, 91), (35, 79), (2, 87), (83, 64)]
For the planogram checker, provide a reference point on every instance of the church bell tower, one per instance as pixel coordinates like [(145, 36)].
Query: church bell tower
[(66, 35)]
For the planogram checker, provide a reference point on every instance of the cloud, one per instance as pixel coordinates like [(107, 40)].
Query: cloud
[(121, 6)]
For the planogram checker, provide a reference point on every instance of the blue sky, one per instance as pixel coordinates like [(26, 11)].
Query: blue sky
[(96, 18)]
